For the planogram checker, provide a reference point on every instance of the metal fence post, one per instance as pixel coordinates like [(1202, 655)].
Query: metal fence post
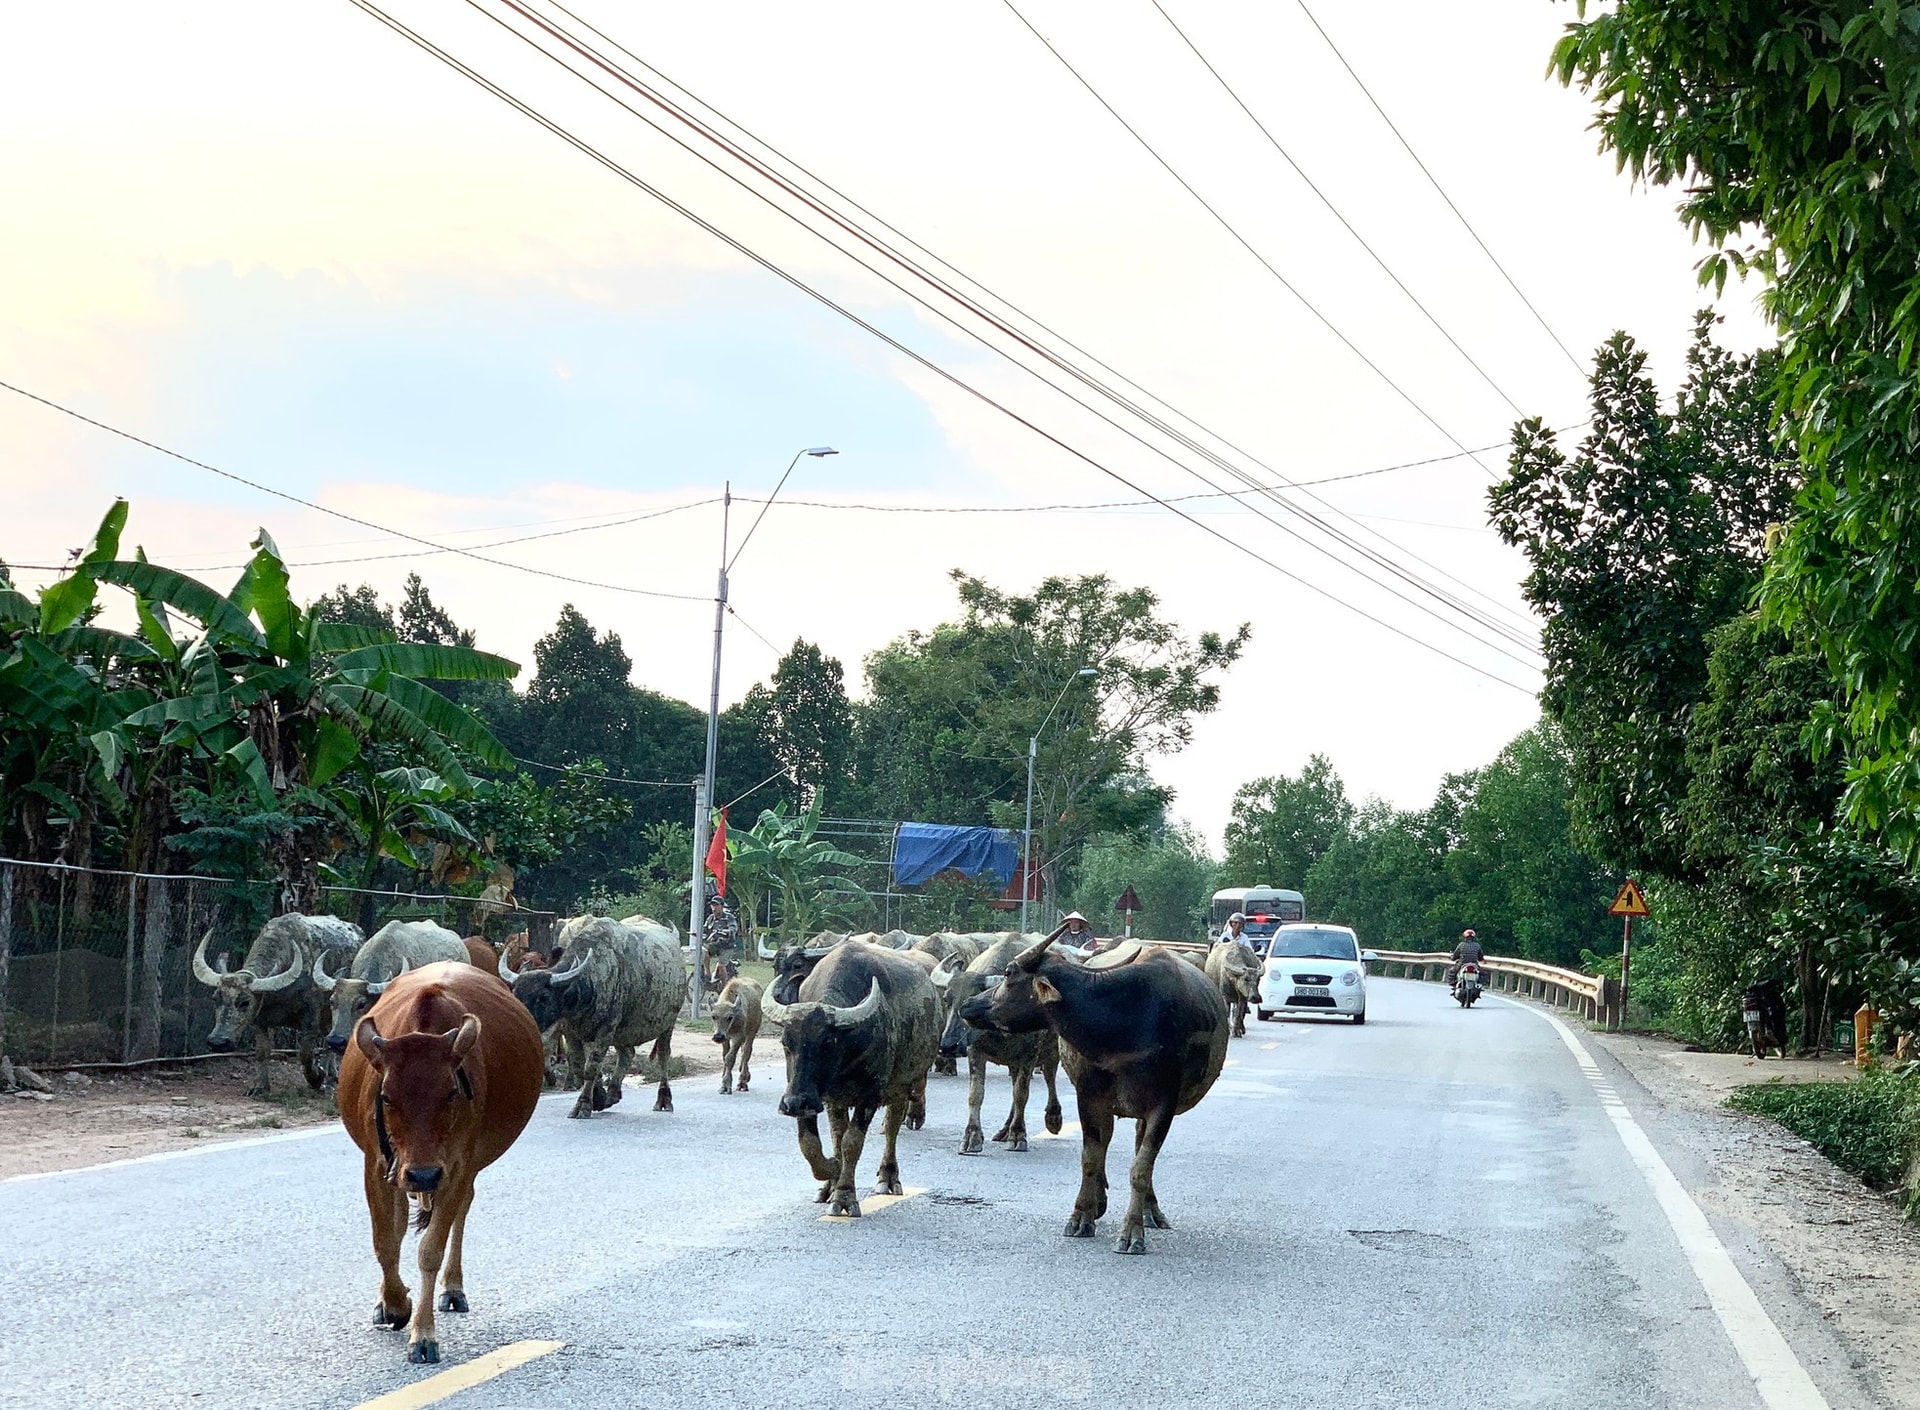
[(126, 1012), (6, 949)]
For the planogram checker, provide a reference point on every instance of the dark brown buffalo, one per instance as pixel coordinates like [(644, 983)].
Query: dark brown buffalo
[(481, 955), (441, 1077), (793, 963), (861, 1037), (1019, 1053), (1143, 1038)]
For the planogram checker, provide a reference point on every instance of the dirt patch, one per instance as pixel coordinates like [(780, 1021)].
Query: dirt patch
[(1852, 1253), (96, 1117)]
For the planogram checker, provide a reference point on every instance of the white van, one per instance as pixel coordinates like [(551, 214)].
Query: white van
[(1266, 908)]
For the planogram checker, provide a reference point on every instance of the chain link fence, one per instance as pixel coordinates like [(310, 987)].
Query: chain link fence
[(96, 967)]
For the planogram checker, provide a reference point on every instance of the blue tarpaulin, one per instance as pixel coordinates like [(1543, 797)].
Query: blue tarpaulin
[(921, 851)]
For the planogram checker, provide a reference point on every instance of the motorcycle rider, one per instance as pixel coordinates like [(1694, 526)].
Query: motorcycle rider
[(1468, 951)]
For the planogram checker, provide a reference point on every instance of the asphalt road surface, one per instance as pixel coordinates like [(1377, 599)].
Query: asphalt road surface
[(1441, 1208)]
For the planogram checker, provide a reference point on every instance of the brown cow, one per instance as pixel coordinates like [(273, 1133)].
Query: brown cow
[(736, 1023), (481, 955), (441, 1077)]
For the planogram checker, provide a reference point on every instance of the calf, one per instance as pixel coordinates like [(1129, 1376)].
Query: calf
[(736, 1023), (442, 1076), (1234, 969), (1144, 1037)]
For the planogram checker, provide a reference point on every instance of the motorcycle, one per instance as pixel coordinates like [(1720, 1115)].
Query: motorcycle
[(1466, 985)]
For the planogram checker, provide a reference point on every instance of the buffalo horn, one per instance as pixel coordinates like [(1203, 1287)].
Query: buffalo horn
[(321, 978), (942, 976), (1029, 958), (858, 1014), (773, 1011), (570, 973), (293, 971), (376, 990), (506, 970), (203, 971)]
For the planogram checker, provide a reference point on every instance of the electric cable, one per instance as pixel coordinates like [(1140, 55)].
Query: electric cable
[(795, 281), (1434, 181)]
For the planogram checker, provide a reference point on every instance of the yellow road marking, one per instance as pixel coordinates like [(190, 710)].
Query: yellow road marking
[(1072, 1128), (873, 1204), (1232, 1062), (455, 1379), (1268, 1047)]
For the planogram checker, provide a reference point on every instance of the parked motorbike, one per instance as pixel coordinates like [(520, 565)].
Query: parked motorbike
[(1466, 985)]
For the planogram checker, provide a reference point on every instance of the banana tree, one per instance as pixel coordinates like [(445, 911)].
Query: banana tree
[(781, 855)]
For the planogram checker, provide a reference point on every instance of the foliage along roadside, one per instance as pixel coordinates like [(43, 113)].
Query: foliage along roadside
[(1870, 1127)]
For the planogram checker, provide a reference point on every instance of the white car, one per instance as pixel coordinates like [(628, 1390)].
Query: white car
[(1315, 969)]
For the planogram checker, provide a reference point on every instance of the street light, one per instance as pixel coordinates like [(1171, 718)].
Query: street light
[(703, 789), (1033, 751)]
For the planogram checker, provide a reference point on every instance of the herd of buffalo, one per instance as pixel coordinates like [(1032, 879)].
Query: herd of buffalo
[(444, 1045)]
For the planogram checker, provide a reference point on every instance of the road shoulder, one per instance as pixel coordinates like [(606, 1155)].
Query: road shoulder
[(1855, 1259)]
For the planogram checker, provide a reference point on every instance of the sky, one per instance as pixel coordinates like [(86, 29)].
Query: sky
[(285, 242)]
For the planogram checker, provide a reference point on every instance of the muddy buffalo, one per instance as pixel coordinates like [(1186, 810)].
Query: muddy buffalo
[(1143, 1035), (860, 1038), (1234, 970), (273, 989), (1020, 1053), (398, 946)]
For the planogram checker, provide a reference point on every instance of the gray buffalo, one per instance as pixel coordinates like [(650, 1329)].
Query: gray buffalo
[(1235, 971), (273, 989), (794, 963), (860, 1038), (1142, 1034), (619, 986), (736, 1023), (1019, 1053), (398, 946)]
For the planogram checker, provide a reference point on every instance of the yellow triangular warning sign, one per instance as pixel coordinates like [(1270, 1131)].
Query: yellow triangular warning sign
[(1631, 901)]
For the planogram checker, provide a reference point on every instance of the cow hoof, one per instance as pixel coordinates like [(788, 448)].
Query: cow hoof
[(1018, 1143), (1079, 1227), (743, 1084), (890, 1187), (1001, 1134), (425, 1352), (384, 1318), (452, 1300), (845, 1204), (1156, 1220), (971, 1143), (826, 1193), (726, 1089), (1136, 1244), (663, 1102), (1053, 1120), (914, 1123)]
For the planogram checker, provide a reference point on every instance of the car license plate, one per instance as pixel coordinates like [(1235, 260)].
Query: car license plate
[(1313, 991)]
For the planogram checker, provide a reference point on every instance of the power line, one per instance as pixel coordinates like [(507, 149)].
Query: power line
[(640, 183), (1434, 181), (1521, 636), (338, 514), (734, 613), (603, 778), (1334, 210)]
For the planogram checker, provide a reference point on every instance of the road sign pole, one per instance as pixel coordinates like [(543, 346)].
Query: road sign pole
[(1626, 966)]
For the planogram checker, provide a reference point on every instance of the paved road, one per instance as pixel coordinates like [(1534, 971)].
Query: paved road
[(1435, 1209)]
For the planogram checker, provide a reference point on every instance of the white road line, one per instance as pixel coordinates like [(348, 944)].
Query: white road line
[(1777, 1374)]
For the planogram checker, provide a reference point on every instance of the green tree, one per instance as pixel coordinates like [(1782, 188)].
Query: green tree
[(1170, 872), (1791, 129), (1381, 878), (355, 607), (810, 721), (1645, 540), (1280, 826)]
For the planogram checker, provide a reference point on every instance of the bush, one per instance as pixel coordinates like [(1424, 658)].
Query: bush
[(1870, 1127)]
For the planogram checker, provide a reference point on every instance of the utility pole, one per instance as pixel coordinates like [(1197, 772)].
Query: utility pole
[(703, 790)]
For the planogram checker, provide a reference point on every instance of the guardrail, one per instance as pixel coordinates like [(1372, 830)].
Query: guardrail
[(1595, 997)]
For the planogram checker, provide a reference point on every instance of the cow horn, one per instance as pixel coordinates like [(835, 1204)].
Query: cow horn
[(816, 952), (376, 990), (203, 971), (293, 971), (321, 978), (942, 976), (858, 1014), (506, 970), (570, 973), (773, 1011)]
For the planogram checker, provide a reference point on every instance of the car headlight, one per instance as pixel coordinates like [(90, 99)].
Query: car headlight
[(1350, 978)]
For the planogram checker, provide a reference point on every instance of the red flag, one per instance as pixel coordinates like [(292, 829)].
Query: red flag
[(717, 852)]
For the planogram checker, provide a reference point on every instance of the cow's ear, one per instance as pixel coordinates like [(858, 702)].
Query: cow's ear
[(367, 1038), (1044, 991), (462, 1039)]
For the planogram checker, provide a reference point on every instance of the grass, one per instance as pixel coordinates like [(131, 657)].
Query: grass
[(649, 1070), (1870, 1127), (301, 1100), (260, 1123)]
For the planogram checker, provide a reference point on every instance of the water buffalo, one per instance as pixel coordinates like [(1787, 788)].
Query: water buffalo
[(396, 947), (1234, 970), (272, 989), (736, 1023), (619, 986), (860, 1038), (794, 963), (1143, 1038), (1019, 1053), (442, 1076)]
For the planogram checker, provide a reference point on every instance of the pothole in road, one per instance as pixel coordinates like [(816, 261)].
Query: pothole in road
[(1411, 1242), (969, 1201)]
